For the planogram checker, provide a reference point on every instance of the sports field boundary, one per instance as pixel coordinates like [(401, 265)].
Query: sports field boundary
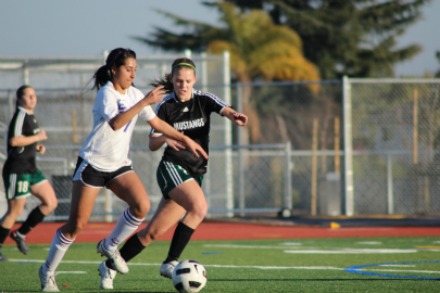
[(244, 229)]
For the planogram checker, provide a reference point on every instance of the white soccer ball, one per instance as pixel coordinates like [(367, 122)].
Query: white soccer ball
[(189, 276)]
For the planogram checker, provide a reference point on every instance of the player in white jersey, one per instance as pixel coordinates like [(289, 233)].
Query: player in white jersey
[(103, 162), (105, 148)]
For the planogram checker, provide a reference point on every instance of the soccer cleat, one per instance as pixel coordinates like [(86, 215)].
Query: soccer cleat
[(118, 262), (20, 240), (47, 280), (166, 269), (107, 275)]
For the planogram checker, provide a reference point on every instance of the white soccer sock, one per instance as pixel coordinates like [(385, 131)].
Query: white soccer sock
[(58, 248), (127, 224)]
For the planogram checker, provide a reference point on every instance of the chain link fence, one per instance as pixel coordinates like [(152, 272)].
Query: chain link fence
[(341, 147), (65, 102), (395, 146)]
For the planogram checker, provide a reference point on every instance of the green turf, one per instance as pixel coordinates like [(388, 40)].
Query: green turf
[(387, 265)]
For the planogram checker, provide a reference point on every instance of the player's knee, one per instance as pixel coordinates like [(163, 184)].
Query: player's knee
[(199, 210), (74, 228), (140, 210), (52, 205), (15, 212)]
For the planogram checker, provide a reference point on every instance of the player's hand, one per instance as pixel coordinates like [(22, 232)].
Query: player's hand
[(174, 144), (42, 135), (240, 119), (195, 148), (154, 96), (41, 149)]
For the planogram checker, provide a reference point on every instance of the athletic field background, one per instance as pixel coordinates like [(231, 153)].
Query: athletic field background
[(251, 257)]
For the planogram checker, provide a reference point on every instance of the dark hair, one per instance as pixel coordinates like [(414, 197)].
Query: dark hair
[(167, 80), (115, 59), (20, 93)]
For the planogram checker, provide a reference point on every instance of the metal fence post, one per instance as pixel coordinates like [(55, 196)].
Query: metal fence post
[(241, 192), (288, 181), (228, 136), (390, 184), (348, 148)]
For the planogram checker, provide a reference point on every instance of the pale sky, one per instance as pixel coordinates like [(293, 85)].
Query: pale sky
[(78, 28)]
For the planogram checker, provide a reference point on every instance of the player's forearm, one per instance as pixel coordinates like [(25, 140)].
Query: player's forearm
[(164, 128), (120, 120), (21, 141), (228, 113), (156, 142)]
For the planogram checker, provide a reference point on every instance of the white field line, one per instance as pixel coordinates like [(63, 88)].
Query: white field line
[(245, 246), (352, 251), (209, 266), (71, 273), (316, 251), (369, 242), (316, 268)]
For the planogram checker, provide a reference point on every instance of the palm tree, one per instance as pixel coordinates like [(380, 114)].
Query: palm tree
[(259, 49)]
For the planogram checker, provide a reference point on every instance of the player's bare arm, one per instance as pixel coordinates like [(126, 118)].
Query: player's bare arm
[(154, 96), (238, 118), (157, 140), (168, 131), (20, 141)]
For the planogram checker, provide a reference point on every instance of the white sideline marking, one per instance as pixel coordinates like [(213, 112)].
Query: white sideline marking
[(245, 246), (291, 244), (87, 262), (276, 267), (71, 272), (316, 251), (211, 265), (369, 242), (324, 268), (352, 251)]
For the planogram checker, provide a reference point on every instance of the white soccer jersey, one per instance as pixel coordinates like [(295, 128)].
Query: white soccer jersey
[(105, 149)]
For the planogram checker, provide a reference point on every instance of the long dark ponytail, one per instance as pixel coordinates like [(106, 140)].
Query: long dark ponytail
[(115, 59), (167, 80)]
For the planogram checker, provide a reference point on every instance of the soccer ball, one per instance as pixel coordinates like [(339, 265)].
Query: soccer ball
[(189, 276)]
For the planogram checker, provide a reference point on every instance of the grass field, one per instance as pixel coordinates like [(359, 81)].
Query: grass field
[(389, 264)]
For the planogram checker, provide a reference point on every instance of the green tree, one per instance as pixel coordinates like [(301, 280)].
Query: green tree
[(350, 37), (259, 49)]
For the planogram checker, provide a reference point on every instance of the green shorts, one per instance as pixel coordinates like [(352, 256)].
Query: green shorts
[(19, 185), (170, 175)]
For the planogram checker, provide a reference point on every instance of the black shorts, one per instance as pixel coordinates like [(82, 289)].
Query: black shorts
[(89, 176)]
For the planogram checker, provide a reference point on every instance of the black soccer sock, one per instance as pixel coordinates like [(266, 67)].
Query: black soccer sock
[(131, 248), (34, 218), (181, 237), (3, 234)]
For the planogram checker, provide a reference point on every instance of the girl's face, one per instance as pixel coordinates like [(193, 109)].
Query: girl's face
[(184, 79), (124, 75), (29, 100)]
